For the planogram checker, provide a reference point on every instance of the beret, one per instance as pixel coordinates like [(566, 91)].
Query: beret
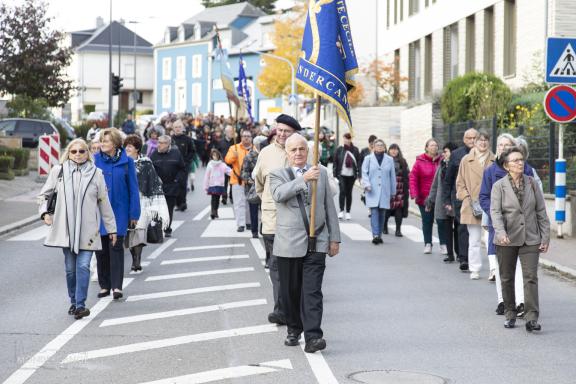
[(289, 121)]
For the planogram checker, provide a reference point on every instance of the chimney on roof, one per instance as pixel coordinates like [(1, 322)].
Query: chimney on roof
[(99, 22)]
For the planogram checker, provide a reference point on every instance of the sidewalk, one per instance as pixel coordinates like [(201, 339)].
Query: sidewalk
[(18, 206)]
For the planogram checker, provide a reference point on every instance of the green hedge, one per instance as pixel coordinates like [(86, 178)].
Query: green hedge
[(6, 165), (20, 155)]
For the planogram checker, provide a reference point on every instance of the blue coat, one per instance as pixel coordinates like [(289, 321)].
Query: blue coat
[(123, 191), (381, 178)]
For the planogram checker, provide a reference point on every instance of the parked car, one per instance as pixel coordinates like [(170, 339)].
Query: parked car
[(68, 128), (92, 116), (28, 129)]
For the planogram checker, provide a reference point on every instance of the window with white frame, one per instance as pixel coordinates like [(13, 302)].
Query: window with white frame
[(166, 68), (181, 67), (197, 66), (196, 95), (217, 84), (166, 96)]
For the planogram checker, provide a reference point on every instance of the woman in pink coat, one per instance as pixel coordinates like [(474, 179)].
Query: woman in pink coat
[(421, 179)]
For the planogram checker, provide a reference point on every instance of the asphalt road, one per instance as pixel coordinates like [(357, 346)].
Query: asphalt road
[(386, 307)]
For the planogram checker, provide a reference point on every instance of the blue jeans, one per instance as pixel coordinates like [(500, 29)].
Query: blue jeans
[(427, 224), (77, 275), (377, 216)]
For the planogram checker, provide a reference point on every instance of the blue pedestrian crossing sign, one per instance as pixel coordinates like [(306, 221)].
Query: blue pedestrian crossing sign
[(561, 60)]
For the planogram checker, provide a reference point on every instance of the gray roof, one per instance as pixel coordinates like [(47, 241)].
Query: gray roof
[(96, 38), (226, 14)]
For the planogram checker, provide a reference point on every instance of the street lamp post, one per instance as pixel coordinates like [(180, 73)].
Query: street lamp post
[(134, 94), (293, 99)]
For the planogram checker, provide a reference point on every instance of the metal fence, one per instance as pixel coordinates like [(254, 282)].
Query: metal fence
[(542, 144)]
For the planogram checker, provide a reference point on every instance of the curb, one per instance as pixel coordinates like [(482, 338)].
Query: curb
[(19, 224)]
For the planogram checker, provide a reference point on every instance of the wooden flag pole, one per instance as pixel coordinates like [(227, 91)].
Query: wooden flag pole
[(315, 163)]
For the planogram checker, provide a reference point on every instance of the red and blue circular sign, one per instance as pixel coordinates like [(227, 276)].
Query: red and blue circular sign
[(560, 104)]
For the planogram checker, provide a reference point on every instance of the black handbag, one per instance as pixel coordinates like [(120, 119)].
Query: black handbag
[(51, 205), (154, 233), (252, 196)]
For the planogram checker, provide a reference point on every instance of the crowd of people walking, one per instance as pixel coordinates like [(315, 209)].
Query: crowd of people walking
[(119, 191)]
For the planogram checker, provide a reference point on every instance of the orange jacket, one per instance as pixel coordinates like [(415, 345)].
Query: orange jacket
[(235, 158)]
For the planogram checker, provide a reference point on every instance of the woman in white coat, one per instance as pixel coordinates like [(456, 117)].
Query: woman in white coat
[(81, 203), (379, 182)]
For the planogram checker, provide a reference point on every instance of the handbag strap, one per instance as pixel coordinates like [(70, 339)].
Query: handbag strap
[(300, 204)]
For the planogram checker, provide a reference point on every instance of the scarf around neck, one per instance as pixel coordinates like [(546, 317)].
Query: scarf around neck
[(112, 159)]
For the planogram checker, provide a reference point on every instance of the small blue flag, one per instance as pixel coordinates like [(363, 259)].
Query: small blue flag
[(328, 60), (243, 90)]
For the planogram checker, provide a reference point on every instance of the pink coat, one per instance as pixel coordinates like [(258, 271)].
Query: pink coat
[(422, 177), (214, 176)]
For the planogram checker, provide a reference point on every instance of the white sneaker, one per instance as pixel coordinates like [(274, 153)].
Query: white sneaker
[(443, 249), (428, 248), (474, 276), (348, 217), (341, 215), (492, 275)]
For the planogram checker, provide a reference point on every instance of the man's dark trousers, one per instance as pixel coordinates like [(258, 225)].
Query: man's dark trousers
[(462, 233), (301, 292), (274, 278)]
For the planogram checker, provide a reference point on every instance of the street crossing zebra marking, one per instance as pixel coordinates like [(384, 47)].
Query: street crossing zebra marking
[(183, 292), (35, 234), (226, 213), (413, 233), (224, 228), (176, 224), (319, 367), (204, 247), (158, 251), (260, 251), (228, 373), (182, 312), (165, 343), (355, 231), (50, 349), (202, 259), (202, 213), (200, 273)]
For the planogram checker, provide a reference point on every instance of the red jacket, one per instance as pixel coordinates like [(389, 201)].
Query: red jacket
[(422, 177)]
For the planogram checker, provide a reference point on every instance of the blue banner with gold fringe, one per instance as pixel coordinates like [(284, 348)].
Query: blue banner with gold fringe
[(328, 60)]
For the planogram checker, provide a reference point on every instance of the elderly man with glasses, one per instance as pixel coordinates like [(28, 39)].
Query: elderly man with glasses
[(235, 158)]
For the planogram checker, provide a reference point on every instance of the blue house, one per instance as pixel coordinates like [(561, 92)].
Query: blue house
[(187, 69)]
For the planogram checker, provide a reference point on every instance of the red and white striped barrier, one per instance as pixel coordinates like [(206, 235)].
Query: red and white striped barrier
[(48, 153)]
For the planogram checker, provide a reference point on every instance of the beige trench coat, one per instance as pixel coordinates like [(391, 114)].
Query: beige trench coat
[(96, 205), (272, 157), (468, 184)]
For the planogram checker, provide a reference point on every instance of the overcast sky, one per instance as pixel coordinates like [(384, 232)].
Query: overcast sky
[(155, 15)]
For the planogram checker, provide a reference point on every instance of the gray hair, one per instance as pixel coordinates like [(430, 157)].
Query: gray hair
[(522, 144), (506, 136), (294, 138), (165, 138)]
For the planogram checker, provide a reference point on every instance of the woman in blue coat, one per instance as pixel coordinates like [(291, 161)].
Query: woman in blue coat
[(379, 182), (120, 176)]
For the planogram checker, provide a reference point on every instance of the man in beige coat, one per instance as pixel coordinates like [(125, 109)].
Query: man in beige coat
[(468, 185), (271, 158)]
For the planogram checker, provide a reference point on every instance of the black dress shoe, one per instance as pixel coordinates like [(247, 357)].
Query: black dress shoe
[(315, 345), (72, 309), (375, 240), (510, 323), (292, 340), (275, 318), (254, 235), (248, 226), (240, 229), (520, 310), (385, 230), (500, 309), (104, 294), (464, 266), (532, 325), (449, 259), (168, 233), (81, 312), (117, 295), (380, 241), (398, 233)]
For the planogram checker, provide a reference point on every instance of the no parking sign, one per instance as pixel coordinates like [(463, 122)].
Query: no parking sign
[(560, 103)]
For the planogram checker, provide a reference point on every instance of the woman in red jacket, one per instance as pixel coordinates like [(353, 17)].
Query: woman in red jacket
[(421, 179)]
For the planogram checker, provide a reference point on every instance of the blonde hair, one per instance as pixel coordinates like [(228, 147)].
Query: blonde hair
[(115, 136), (66, 155)]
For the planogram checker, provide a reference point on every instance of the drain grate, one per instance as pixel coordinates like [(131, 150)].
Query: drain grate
[(395, 377)]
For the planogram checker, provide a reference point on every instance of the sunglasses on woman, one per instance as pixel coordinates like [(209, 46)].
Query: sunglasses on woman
[(75, 151)]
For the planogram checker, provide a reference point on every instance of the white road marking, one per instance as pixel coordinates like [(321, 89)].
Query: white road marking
[(182, 312), (171, 342), (355, 231), (183, 292), (161, 249), (226, 213), (200, 273), (319, 367), (227, 373), (176, 224), (145, 263), (19, 223), (202, 213), (50, 349), (260, 251), (224, 228), (201, 259), (203, 247), (32, 235), (413, 233)]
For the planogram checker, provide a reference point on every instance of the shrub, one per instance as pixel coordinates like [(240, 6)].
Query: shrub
[(474, 96), (6, 165), (20, 155)]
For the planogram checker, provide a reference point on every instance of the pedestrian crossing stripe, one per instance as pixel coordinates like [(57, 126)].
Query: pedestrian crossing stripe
[(566, 64)]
